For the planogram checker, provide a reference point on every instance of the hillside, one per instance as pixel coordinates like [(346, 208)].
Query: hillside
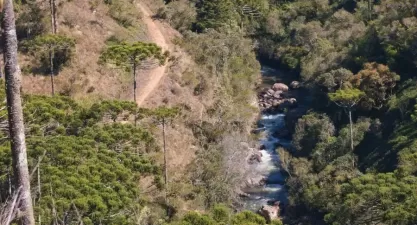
[(86, 81), (154, 112), (83, 140)]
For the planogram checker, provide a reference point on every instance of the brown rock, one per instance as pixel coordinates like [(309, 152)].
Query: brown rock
[(270, 212), (256, 181), (280, 87), (277, 94), (276, 103), (295, 85), (255, 158)]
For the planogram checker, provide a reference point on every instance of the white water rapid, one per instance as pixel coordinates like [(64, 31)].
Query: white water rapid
[(269, 167)]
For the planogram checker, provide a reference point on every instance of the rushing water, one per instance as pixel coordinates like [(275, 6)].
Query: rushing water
[(269, 167)]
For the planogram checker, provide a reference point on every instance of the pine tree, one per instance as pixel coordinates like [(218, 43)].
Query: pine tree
[(130, 56), (54, 49), (347, 98), (163, 115)]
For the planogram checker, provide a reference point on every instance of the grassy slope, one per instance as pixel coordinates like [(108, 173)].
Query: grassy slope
[(91, 29)]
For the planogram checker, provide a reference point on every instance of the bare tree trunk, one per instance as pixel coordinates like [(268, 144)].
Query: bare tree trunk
[(51, 58), (40, 193), (1, 70), (134, 82), (351, 129), (165, 166), (54, 213), (52, 5), (370, 9), (10, 183), (15, 113), (134, 90)]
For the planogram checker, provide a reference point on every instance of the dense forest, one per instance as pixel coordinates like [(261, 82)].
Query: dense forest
[(104, 160), (356, 58)]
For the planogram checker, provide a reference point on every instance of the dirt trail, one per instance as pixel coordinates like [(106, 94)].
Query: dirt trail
[(155, 34)]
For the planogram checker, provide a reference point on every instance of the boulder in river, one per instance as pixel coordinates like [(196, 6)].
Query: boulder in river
[(293, 102), (277, 94), (270, 212), (280, 87), (255, 158), (276, 103), (256, 181), (295, 85), (267, 105), (288, 104), (243, 194)]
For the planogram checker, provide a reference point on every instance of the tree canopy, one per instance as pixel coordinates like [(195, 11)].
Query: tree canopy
[(126, 55)]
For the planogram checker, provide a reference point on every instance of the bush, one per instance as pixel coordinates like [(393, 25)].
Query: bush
[(180, 14), (123, 12)]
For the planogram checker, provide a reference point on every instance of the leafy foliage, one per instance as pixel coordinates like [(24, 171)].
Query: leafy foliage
[(213, 14), (346, 97), (377, 82), (221, 215), (387, 198)]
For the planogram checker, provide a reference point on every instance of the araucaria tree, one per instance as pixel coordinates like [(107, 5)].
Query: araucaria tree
[(347, 98), (54, 51), (164, 115), (130, 56), (15, 115)]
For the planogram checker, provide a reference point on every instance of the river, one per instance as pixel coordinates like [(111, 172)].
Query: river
[(269, 166)]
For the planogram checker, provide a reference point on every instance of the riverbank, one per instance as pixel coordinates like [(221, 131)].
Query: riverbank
[(266, 191)]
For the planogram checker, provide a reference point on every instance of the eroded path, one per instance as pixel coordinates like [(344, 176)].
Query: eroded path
[(155, 35)]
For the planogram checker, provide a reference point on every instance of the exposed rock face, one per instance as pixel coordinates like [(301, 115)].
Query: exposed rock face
[(256, 181), (280, 87), (270, 212), (295, 85), (288, 104), (276, 97), (243, 194), (255, 158), (277, 94), (292, 101)]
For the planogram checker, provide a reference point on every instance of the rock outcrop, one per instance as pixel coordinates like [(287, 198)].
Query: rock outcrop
[(276, 98), (256, 157), (270, 212), (280, 87), (295, 85), (256, 181)]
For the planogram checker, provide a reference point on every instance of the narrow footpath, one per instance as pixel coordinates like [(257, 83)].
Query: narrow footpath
[(155, 34)]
